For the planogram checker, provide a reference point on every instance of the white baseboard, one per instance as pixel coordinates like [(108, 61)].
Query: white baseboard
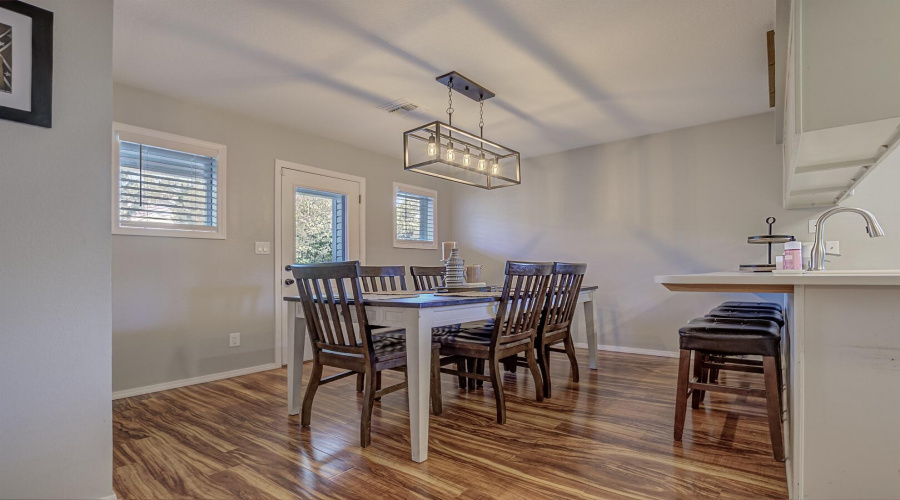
[(110, 497), (631, 350), (147, 389)]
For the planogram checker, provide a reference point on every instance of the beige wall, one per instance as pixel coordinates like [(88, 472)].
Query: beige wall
[(175, 300), (676, 202), (55, 409)]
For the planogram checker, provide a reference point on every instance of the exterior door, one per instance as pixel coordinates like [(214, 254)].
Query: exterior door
[(320, 222)]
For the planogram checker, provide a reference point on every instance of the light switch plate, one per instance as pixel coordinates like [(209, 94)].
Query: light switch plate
[(812, 226), (833, 247), (262, 248)]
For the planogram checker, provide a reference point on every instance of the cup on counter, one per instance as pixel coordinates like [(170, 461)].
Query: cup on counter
[(793, 256), (473, 273)]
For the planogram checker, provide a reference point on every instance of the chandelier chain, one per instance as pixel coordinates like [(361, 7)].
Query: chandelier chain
[(450, 101), (481, 116)]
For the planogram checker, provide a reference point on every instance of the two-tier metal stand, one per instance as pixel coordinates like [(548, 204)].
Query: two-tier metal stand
[(767, 239)]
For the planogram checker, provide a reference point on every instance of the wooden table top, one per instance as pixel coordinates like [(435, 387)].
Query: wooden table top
[(427, 300)]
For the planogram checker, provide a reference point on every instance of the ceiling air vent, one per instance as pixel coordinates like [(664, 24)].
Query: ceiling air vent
[(401, 107)]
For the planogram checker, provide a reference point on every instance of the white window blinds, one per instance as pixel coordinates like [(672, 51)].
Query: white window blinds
[(415, 217), (165, 185)]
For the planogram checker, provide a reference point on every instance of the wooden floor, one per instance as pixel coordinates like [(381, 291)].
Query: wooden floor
[(608, 437)]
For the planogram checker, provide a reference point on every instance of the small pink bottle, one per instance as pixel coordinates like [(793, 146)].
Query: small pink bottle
[(793, 256)]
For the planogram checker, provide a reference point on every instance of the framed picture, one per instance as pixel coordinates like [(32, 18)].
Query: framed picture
[(26, 63)]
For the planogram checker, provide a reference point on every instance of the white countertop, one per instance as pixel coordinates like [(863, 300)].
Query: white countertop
[(830, 278)]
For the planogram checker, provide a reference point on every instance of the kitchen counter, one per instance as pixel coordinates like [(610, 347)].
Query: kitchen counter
[(842, 375), (781, 283)]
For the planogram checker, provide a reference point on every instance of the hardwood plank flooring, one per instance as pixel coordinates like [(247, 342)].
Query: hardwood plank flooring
[(610, 436)]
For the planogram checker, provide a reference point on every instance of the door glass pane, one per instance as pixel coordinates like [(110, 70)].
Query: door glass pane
[(320, 226)]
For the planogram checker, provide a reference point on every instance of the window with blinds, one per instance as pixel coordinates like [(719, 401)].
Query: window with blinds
[(414, 217), (168, 185)]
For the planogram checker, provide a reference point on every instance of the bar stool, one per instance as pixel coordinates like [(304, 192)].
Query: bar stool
[(712, 341), (733, 304)]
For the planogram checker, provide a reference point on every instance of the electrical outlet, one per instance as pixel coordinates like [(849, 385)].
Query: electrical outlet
[(833, 247), (262, 248), (234, 340), (812, 226)]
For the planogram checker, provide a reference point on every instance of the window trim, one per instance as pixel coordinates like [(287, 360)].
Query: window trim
[(421, 192), (165, 140)]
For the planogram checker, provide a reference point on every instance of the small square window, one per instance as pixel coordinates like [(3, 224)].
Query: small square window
[(167, 185), (415, 222)]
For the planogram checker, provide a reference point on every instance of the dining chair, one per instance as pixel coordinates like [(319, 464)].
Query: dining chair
[(511, 332), (382, 278), (555, 326), (427, 277), (326, 292)]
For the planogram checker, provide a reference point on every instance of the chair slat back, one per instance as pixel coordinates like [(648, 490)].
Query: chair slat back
[(381, 278), (565, 285), (325, 293), (427, 278), (522, 300)]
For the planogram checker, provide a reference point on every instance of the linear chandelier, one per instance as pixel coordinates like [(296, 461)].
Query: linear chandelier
[(441, 150)]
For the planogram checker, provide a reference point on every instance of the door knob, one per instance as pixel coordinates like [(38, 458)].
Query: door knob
[(287, 268), (288, 282)]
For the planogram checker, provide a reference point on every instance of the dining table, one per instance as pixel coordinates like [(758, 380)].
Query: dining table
[(417, 315)]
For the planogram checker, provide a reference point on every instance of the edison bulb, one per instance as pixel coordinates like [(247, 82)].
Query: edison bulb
[(467, 158), (450, 154), (482, 162), (495, 168), (432, 147)]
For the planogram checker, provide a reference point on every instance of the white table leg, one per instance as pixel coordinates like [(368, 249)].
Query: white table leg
[(418, 366), (295, 347), (591, 330)]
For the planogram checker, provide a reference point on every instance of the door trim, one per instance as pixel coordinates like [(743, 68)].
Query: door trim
[(279, 165)]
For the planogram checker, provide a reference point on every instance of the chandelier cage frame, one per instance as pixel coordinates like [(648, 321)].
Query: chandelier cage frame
[(439, 149)]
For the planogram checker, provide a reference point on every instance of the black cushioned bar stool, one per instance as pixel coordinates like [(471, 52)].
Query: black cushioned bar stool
[(734, 304), (713, 340), (744, 310)]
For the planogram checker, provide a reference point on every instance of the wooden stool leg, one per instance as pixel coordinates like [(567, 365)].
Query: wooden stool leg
[(360, 381), (773, 406), (470, 367), (684, 375)]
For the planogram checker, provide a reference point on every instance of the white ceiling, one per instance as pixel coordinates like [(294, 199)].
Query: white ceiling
[(567, 73)]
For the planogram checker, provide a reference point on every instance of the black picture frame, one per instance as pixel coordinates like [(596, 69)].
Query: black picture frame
[(41, 66)]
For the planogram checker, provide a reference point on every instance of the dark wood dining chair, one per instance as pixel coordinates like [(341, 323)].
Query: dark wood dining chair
[(382, 278), (511, 332), (427, 277), (326, 293), (556, 321)]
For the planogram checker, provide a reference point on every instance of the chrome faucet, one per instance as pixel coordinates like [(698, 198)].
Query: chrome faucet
[(817, 261)]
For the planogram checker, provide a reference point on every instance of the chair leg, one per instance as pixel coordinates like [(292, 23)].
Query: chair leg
[(365, 427), (378, 383), (684, 375), (570, 352), (470, 367), (497, 383), (535, 374), (360, 382), (773, 407), (543, 359), (700, 375), (461, 366), (311, 389), (436, 403), (479, 369)]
